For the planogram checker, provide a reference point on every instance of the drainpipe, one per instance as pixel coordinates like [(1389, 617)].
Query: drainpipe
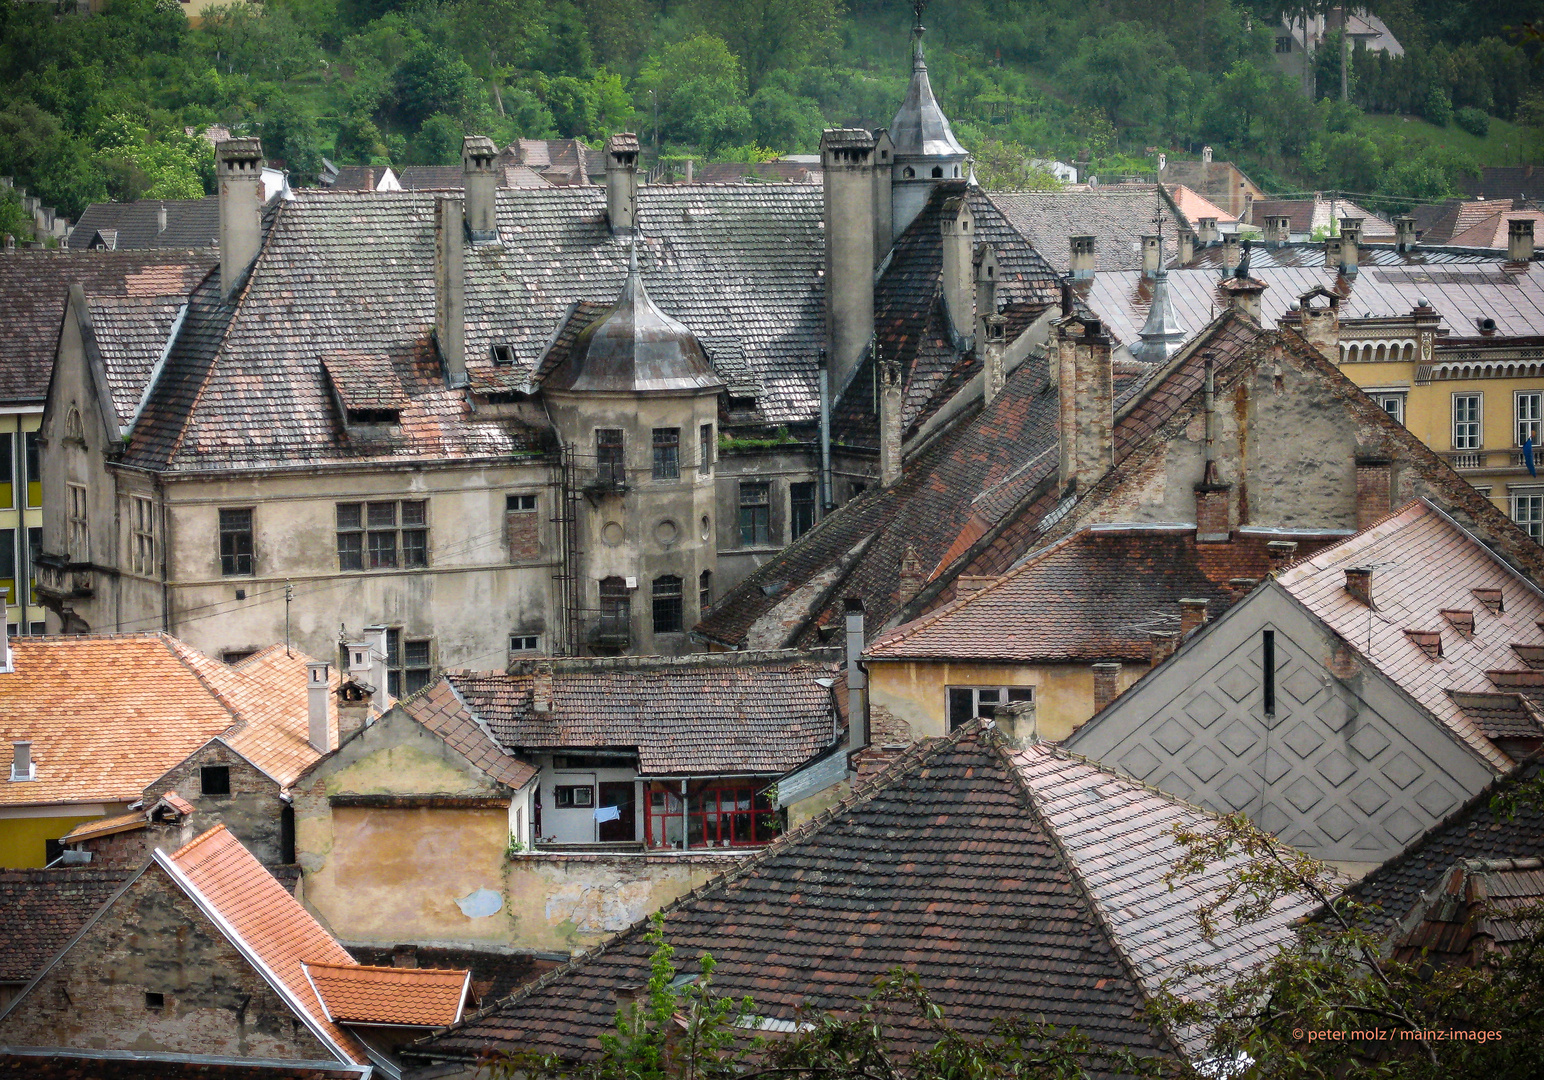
[(825, 434)]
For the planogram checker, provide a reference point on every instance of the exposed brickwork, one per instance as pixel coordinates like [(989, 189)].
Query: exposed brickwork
[(1212, 512), (1106, 684), (215, 1002), (1374, 491), (129, 850), (251, 811), (522, 532), (887, 729)]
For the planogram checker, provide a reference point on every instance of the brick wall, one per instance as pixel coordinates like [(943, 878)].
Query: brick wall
[(155, 940), (252, 810), (1374, 491), (130, 850), (522, 532), (885, 728), (1212, 512)]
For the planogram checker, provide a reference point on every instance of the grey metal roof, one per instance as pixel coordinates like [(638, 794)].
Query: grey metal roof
[(920, 129)]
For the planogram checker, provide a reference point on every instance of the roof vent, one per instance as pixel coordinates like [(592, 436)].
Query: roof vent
[(1429, 641), (1491, 598), (1359, 583), (503, 354), (22, 767), (1462, 621)]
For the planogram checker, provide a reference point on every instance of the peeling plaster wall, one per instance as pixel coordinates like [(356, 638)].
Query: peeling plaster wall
[(155, 940)]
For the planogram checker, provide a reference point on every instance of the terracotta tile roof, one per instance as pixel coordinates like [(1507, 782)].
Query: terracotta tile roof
[(1119, 835), (106, 827), (1423, 564), (1117, 217), (943, 865), (35, 284), (441, 709), (1500, 716), (1194, 207), (364, 380), (694, 715), (495, 974), (267, 922), (1491, 232), (419, 997), (1473, 910), (1473, 831), (74, 1063), (1505, 182), (44, 909), (1092, 596), (190, 223), (1318, 212)]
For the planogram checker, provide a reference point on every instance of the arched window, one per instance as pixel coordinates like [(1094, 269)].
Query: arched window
[(73, 428), (938, 172), (667, 604)]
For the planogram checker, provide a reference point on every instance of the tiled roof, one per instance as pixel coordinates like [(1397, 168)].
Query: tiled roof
[(364, 380), (43, 910), (696, 715), (35, 284), (495, 974), (74, 1063), (267, 922), (1454, 217), (1505, 182), (943, 866), (420, 997), (132, 334), (440, 709), (1119, 835), (1318, 213), (1423, 564), (1309, 254), (1491, 232), (190, 223), (107, 826), (728, 172), (451, 178), (1116, 217), (1500, 716), (109, 714), (1194, 206), (1467, 914), (1473, 831), (1093, 596)]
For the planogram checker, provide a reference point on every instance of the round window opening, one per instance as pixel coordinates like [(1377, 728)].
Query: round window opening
[(707, 527), (611, 534), (666, 532)]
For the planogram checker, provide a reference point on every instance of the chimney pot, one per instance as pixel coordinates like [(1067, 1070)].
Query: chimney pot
[(993, 370), (1106, 681), (1359, 583), (1151, 254), (479, 181), (1281, 551), (541, 688), (622, 182), (1404, 233), (1192, 615), (1084, 257), (1018, 721), (1207, 231), (857, 678)]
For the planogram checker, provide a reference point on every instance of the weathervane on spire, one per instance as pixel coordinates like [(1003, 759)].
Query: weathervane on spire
[(917, 7)]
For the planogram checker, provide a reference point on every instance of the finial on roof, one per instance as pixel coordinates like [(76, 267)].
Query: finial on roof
[(632, 254), (917, 30), (1242, 271)]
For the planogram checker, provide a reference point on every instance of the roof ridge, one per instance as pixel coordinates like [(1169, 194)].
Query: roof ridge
[(176, 646), (185, 849)]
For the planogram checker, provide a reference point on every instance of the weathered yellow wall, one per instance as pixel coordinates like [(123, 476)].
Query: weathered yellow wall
[(23, 841), (916, 692)]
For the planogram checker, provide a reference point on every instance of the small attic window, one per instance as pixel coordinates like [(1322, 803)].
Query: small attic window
[(1462, 621), (366, 387), (938, 172), (504, 354), (908, 172), (1429, 642), (154, 1000)]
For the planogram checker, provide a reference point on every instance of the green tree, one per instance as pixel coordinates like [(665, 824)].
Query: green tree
[(700, 91), (290, 134), (573, 110), (433, 80), (782, 119), (772, 34), (13, 219), (438, 142), (359, 141)]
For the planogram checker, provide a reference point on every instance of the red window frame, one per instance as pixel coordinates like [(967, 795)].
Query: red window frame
[(730, 813)]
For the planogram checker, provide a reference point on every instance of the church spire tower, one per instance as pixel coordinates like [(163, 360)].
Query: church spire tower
[(926, 151)]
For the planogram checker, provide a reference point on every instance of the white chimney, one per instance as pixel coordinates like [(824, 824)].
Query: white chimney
[(450, 288), (622, 182), (1519, 239), (480, 182), (1084, 261), (239, 174), (376, 636), (317, 691)]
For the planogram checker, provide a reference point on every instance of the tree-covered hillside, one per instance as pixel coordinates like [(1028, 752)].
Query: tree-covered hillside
[(96, 107)]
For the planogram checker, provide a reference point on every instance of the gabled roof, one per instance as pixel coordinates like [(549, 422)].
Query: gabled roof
[(699, 715), (730, 172), (43, 910), (1092, 596), (1481, 905), (1117, 217), (34, 286), (190, 223), (109, 714), (265, 922), (1491, 232), (414, 997), (1118, 834), (440, 709), (1321, 213), (945, 865), (132, 334), (1423, 564), (1505, 182)]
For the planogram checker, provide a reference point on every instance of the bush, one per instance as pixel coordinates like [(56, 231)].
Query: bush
[(1438, 108), (1475, 121)]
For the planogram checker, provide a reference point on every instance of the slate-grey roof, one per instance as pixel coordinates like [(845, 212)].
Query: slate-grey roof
[(132, 334), (190, 223), (920, 128), (1116, 218), (355, 271), (757, 715)]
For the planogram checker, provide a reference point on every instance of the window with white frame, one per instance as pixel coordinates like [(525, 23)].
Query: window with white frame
[(968, 702), (1391, 403), (1528, 512), (142, 535), (1466, 421), (524, 642), (79, 527), (1529, 410)]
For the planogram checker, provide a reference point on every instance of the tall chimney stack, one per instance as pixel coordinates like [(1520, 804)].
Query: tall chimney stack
[(480, 182), (956, 227), (239, 172), (1085, 402), (890, 402), (1278, 229), (1207, 233), (450, 288), (992, 371), (1519, 240), (847, 159), (857, 680), (1192, 615), (1187, 247), (1350, 244), (883, 160), (376, 636), (1230, 253), (622, 183), (1106, 684), (1404, 233), (317, 692), (986, 286), (1152, 255), (1084, 259)]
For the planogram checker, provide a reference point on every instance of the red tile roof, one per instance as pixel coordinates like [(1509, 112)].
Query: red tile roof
[(1481, 905), (417, 997)]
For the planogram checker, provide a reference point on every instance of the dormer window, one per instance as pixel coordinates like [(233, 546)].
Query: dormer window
[(504, 355), (22, 767), (365, 387)]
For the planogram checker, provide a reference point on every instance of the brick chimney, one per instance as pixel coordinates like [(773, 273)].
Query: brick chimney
[(541, 687), (1281, 552), (889, 421), (1278, 229), (847, 158), (985, 264), (238, 169), (1161, 645), (956, 227), (450, 288), (1152, 256), (1085, 419), (1212, 520), (1374, 490), (1244, 294), (1106, 684), (1359, 584), (480, 181), (911, 572), (622, 183), (317, 692), (356, 694), (1019, 723), (1404, 233), (993, 373), (857, 679), (1192, 615), (1084, 259), (1519, 239)]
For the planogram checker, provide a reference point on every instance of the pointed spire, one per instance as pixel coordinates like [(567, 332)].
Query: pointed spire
[(917, 30), (920, 128), (1163, 333)]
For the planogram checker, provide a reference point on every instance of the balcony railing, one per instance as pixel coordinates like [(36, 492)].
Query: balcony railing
[(58, 577), (1469, 460), (603, 478)]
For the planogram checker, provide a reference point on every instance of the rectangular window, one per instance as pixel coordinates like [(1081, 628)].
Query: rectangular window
[(755, 514), (1466, 421), (524, 642), (1268, 666), (1283, 44), (7, 470), (667, 605), (79, 527), (801, 504), (214, 780), (720, 814), (1528, 416), (573, 796), (142, 535), (8, 565), (409, 664), (705, 593), (383, 535), (236, 541), (667, 453), (1393, 404), (34, 471), (519, 504), (968, 702), (705, 449), (34, 550), (1528, 512), (351, 537), (609, 450)]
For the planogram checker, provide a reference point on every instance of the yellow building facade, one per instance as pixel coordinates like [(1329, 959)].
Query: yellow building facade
[(21, 518)]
